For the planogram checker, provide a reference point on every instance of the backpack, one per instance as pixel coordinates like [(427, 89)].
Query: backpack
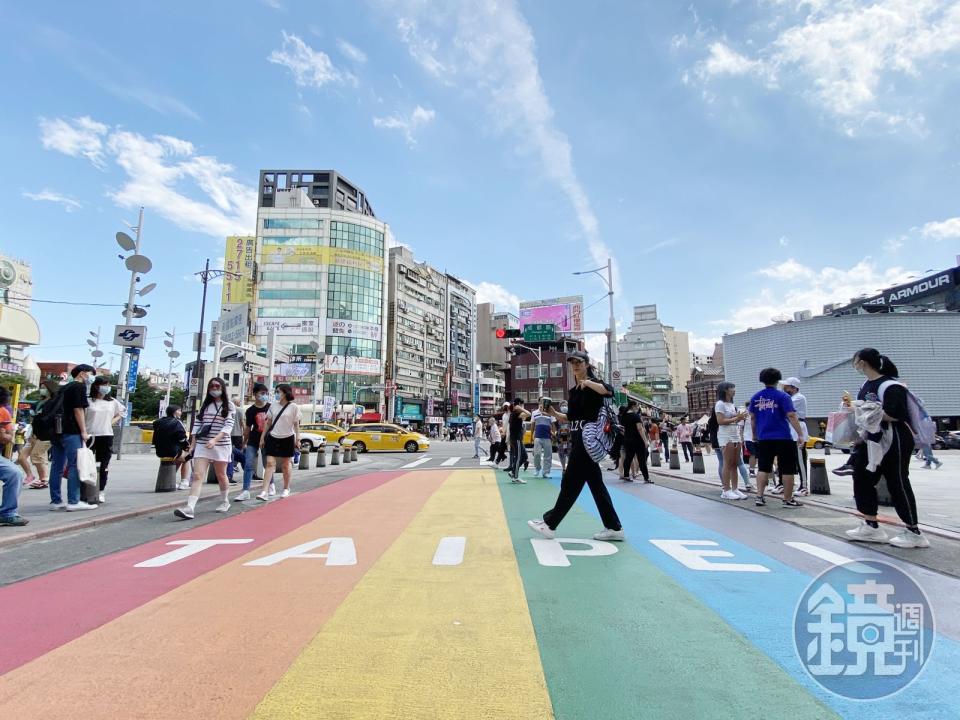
[(600, 435), (48, 423), (920, 422)]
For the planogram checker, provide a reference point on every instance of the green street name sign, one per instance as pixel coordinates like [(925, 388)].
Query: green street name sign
[(540, 332)]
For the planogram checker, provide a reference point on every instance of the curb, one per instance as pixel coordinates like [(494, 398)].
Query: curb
[(810, 500)]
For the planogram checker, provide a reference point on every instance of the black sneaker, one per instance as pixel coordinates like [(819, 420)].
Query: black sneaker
[(792, 503), (14, 521), (759, 501), (843, 470), (627, 479)]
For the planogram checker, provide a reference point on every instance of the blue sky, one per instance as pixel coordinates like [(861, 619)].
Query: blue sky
[(738, 160)]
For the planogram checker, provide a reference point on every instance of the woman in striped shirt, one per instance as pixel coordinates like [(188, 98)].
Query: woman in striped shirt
[(211, 444)]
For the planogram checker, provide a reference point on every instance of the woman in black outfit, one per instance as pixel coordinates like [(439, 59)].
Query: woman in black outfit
[(583, 405), (895, 465)]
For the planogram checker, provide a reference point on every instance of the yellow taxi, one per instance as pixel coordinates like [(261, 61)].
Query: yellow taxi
[(384, 436), (328, 431), (815, 443), (528, 434)]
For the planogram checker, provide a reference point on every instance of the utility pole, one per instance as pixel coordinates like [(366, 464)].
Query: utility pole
[(613, 325), (205, 275)]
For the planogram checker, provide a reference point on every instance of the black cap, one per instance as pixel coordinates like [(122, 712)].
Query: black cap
[(579, 355)]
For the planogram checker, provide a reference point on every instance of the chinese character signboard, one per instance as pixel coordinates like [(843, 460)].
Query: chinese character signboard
[(540, 332), (238, 258), (353, 328)]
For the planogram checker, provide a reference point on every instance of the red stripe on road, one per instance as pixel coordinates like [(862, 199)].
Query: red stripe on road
[(42, 613)]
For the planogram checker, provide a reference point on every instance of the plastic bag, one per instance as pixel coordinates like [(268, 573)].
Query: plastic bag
[(87, 466), (842, 428)]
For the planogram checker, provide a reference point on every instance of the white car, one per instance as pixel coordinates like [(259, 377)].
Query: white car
[(311, 441)]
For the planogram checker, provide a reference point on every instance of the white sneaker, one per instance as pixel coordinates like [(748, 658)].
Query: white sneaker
[(73, 507), (224, 506), (740, 495), (908, 539), (273, 489), (57, 506), (749, 489), (285, 493), (729, 495), (244, 495), (801, 491), (103, 497), (607, 534), (541, 527), (521, 481), (184, 513), (262, 496), (778, 490), (865, 533), (183, 485)]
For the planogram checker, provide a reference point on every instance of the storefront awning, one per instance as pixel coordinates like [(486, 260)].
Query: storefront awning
[(17, 327)]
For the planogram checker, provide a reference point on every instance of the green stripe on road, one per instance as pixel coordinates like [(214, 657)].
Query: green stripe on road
[(620, 638)]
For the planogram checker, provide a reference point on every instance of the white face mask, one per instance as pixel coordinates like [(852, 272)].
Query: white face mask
[(104, 390), (216, 393)]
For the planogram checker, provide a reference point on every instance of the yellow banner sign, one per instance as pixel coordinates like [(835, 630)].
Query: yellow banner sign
[(239, 258), (320, 255)]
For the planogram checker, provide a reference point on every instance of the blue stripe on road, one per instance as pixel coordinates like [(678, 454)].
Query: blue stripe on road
[(760, 605)]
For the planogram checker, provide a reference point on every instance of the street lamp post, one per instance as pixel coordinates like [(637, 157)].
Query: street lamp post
[(173, 355), (612, 331)]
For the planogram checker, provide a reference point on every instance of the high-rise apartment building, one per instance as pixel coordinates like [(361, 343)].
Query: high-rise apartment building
[(321, 278), (655, 354), (431, 341)]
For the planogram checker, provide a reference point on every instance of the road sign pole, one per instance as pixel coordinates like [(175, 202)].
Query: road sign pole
[(128, 318)]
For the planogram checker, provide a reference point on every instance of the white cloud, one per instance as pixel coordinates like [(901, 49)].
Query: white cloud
[(944, 230), (351, 52), (784, 241), (45, 195), (502, 299), (489, 47), (309, 67), (407, 124), (160, 172), (702, 345), (647, 249), (801, 287), (80, 137), (596, 347), (848, 56)]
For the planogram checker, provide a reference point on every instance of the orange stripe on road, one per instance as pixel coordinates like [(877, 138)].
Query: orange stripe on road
[(214, 647)]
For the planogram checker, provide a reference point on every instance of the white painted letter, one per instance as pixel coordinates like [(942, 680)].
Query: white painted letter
[(550, 553), (342, 552), (450, 551), (694, 559), (190, 547)]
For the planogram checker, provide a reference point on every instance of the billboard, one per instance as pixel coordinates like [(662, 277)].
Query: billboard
[(566, 313), (353, 328), (233, 323), (289, 326), (319, 255), (333, 364), (238, 258)]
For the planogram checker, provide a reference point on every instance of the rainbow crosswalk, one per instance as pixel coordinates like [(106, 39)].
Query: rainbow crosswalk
[(421, 594)]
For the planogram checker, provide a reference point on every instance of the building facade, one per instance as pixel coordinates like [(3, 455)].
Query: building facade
[(925, 347), (431, 341), (16, 291), (526, 371), (321, 277), (655, 354)]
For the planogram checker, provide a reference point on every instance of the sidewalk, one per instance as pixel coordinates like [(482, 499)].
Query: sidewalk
[(937, 491)]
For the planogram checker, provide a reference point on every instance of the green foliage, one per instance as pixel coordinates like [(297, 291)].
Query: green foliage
[(638, 388)]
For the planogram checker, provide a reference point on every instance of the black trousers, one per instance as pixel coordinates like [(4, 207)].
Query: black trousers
[(102, 450), (516, 457), (895, 467), (631, 451), (581, 469), (803, 469), (687, 450)]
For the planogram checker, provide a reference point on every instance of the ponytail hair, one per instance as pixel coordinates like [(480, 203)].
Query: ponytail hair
[(881, 363)]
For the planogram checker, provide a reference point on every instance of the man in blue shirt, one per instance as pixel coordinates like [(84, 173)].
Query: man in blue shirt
[(542, 439), (772, 415)]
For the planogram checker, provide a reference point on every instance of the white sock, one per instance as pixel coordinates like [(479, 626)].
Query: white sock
[(225, 496), (192, 501)]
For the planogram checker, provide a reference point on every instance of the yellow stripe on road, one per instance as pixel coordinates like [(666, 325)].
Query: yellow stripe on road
[(419, 640)]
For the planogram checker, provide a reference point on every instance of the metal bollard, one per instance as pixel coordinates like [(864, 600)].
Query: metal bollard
[(335, 455), (304, 460), (166, 476), (819, 480), (826, 449), (321, 457), (698, 468), (346, 455), (353, 453), (674, 459), (655, 459)]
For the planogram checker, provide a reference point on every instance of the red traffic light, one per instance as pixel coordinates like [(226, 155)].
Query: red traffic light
[(501, 333)]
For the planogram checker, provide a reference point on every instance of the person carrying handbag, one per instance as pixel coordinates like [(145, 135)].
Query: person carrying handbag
[(281, 440)]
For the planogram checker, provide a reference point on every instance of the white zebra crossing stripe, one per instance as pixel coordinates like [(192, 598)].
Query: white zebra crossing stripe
[(450, 461), (415, 463), (831, 557)]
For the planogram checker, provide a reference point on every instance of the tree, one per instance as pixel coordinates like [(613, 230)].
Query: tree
[(638, 388)]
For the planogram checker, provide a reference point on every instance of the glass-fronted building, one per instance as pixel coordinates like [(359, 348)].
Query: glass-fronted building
[(321, 278)]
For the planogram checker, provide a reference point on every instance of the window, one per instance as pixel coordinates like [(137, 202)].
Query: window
[(272, 312), (556, 370), (290, 277), (520, 372), (360, 291), (289, 294), (292, 224), (356, 237), (558, 395), (308, 240)]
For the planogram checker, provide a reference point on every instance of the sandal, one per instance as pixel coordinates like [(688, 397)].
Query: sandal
[(37, 485)]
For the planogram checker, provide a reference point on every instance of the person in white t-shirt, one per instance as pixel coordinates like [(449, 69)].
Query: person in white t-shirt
[(101, 415), (280, 441), (728, 438), (791, 386)]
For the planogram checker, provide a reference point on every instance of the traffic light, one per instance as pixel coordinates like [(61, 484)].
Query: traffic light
[(504, 333)]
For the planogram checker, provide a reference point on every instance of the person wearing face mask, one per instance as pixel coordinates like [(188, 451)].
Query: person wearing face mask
[(34, 455), (256, 423), (281, 439), (584, 403), (211, 444), (102, 413), (882, 386), (72, 437)]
